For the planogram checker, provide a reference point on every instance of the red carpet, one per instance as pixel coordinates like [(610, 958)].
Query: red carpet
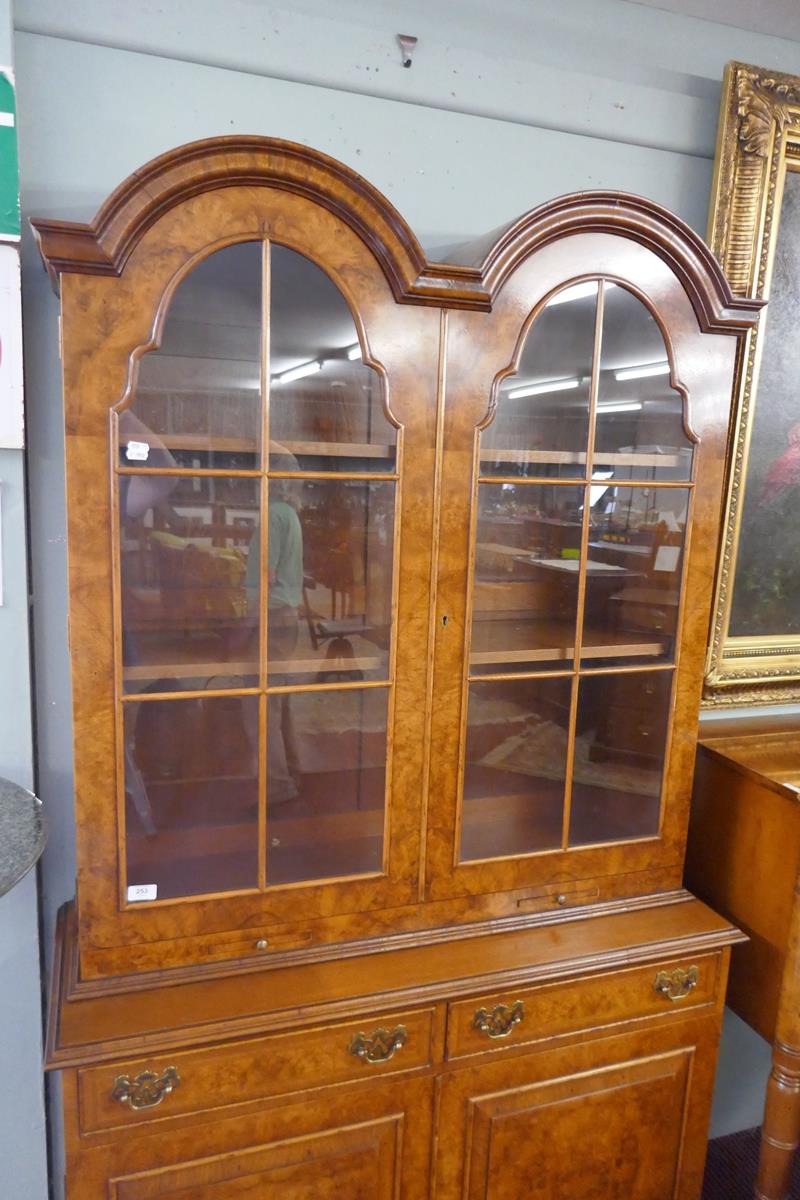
[(731, 1167)]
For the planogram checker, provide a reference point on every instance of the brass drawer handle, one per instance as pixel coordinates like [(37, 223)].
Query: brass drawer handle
[(677, 984), (146, 1090), (500, 1021), (380, 1046)]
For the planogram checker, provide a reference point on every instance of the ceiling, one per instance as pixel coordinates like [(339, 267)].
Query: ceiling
[(778, 18)]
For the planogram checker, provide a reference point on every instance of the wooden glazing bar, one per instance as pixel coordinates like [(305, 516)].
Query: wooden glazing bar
[(633, 669), (511, 676), (188, 694), (584, 554), (351, 686)]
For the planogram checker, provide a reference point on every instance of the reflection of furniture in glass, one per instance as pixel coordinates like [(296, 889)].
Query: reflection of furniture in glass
[(361, 850), (743, 856)]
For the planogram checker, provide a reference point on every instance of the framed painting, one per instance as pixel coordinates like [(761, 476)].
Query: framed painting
[(754, 229)]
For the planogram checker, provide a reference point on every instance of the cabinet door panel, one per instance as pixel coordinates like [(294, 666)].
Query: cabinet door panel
[(570, 466), (360, 1162), (591, 1136), (272, 513), (623, 1118), (369, 1141)]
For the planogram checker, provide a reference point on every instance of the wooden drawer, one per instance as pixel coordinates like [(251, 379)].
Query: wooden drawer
[(257, 1069), (523, 1015)]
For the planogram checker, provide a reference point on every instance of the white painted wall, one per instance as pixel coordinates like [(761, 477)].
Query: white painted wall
[(506, 105)]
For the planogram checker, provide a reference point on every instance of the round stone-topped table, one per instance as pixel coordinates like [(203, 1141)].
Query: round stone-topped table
[(23, 832)]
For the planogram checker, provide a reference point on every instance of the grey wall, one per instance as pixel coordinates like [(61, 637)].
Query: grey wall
[(23, 1148), (505, 106)]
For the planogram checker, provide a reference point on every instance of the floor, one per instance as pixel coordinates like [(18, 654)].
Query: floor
[(732, 1165)]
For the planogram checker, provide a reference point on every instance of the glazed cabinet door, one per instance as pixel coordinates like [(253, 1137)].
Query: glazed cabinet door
[(626, 1117), (361, 1144), (568, 659), (271, 445)]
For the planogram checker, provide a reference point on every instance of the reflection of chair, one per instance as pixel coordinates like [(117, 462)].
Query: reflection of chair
[(320, 629)]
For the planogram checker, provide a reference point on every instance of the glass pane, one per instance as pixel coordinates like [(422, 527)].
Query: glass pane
[(190, 593), (198, 397), (633, 574), (541, 423), (190, 583), (331, 550), (620, 747), (525, 593), (191, 795), (516, 755), (326, 783), (639, 429), (326, 406)]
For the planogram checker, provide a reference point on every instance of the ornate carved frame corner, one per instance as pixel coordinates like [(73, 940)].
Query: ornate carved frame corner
[(759, 133)]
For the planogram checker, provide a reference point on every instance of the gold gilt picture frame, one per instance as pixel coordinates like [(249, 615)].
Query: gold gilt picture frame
[(754, 229)]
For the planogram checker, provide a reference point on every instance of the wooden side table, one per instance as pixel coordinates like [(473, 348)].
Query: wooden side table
[(743, 858)]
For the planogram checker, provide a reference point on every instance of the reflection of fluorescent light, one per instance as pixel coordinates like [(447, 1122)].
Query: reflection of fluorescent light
[(621, 406), (642, 372), (353, 352), (541, 389), (578, 291), (309, 368)]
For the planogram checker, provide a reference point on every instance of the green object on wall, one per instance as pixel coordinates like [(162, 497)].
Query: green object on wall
[(9, 166)]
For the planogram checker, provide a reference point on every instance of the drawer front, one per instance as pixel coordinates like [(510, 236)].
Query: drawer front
[(520, 1016), (171, 1085)]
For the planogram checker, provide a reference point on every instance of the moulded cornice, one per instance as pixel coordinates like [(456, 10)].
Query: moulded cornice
[(103, 246)]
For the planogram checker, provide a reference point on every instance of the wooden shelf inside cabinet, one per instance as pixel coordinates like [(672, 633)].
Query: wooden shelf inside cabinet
[(201, 842), (600, 458), (237, 445), (338, 449), (198, 658), (295, 666), (553, 641)]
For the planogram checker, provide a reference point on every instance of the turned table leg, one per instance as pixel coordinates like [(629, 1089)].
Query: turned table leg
[(780, 1133)]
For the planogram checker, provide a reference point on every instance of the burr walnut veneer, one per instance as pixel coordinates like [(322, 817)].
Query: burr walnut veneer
[(389, 589)]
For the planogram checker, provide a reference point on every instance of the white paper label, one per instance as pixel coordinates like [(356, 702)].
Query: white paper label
[(137, 451), (142, 891), (667, 558)]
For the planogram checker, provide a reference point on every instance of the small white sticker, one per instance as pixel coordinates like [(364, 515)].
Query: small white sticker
[(137, 451), (142, 891)]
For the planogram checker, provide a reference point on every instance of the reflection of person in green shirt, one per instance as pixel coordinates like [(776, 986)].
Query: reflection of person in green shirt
[(285, 555)]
